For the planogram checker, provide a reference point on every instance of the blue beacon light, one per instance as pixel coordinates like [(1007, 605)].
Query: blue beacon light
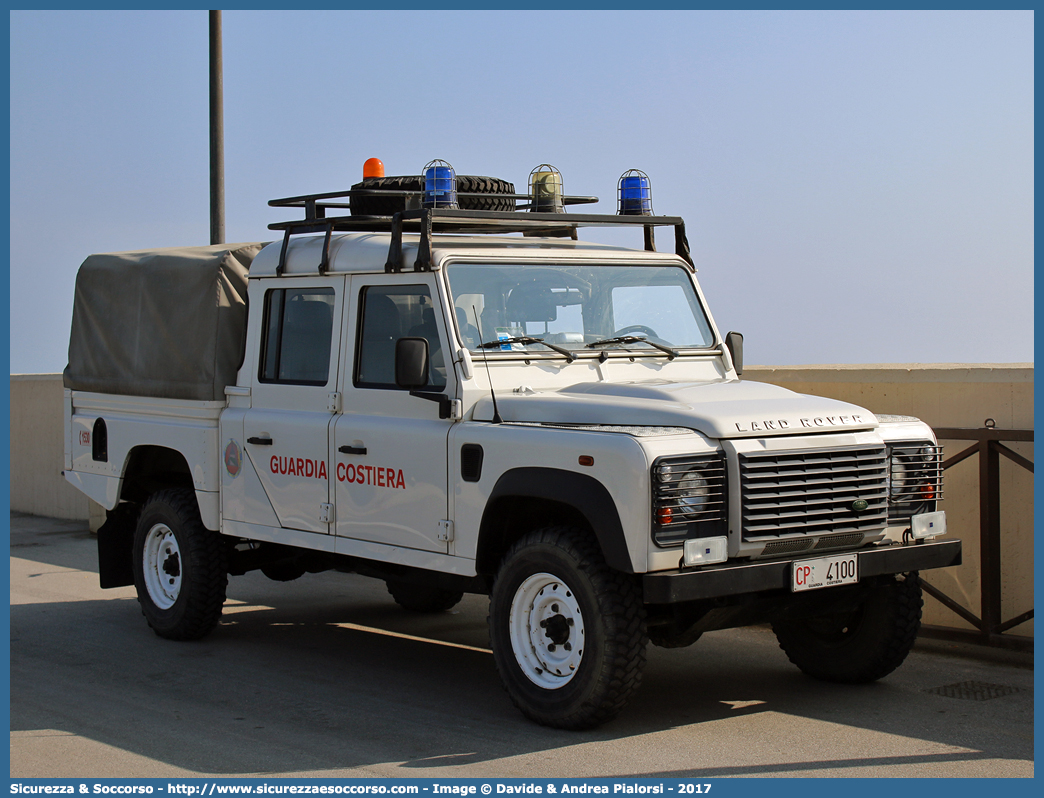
[(634, 192), (440, 185)]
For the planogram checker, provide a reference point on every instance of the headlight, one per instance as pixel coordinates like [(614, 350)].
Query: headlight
[(693, 491), (914, 479), (688, 497)]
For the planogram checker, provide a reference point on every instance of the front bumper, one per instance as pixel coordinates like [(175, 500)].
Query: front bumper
[(727, 579)]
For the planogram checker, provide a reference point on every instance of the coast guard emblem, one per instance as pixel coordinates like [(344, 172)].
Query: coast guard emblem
[(233, 458)]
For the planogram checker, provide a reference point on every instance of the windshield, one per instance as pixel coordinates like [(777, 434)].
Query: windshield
[(577, 307)]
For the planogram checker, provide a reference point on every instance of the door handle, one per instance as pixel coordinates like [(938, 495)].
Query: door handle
[(352, 449), (260, 441)]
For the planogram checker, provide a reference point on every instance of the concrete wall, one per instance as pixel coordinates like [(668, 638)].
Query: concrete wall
[(951, 395), (38, 452), (943, 395)]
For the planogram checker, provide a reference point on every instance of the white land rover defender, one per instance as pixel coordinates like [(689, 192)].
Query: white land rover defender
[(419, 396)]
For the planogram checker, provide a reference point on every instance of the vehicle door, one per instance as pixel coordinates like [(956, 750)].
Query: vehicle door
[(389, 447), (287, 427)]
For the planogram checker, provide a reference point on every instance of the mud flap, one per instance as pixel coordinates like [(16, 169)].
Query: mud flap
[(115, 545)]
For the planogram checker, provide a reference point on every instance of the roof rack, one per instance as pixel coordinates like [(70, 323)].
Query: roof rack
[(427, 221)]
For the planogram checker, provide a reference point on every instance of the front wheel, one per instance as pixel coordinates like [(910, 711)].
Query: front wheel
[(567, 631), (858, 646), (180, 567)]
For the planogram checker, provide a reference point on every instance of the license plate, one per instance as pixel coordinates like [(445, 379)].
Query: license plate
[(841, 569)]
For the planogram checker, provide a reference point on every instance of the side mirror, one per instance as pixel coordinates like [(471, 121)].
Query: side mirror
[(411, 363), (734, 341)]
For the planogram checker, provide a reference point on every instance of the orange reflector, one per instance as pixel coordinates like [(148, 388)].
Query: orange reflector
[(664, 515), (586, 459), (374, 167), (927, 492)]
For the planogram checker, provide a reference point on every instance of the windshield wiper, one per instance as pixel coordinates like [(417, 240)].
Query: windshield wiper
[(633, 339), (525, 340)]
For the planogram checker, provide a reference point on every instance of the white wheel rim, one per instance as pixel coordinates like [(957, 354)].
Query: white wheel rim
[(547, 631), (162, 566)]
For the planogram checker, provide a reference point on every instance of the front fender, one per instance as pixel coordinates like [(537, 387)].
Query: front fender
[(583, 493)]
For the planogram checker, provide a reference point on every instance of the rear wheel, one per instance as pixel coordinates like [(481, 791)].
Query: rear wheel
[(568, 632), (858, 646), (180, 567)]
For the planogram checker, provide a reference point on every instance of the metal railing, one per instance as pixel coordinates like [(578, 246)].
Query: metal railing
[(990, 629)]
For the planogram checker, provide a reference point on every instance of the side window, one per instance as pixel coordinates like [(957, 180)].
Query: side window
[(388, 313), (295, 346)]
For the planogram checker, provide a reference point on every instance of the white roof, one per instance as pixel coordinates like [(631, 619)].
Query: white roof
[(368, 252)]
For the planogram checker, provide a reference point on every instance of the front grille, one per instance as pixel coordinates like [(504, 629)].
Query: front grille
[(813, 492), (914, 479), (787, 546), (688, 497), (840, 541)]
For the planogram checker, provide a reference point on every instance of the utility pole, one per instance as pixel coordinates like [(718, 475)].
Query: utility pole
[(217, 135)]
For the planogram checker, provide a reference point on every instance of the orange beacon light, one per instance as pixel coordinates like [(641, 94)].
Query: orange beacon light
[(374, 167)]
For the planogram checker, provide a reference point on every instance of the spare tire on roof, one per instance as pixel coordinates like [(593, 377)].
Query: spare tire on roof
[(377, 205)]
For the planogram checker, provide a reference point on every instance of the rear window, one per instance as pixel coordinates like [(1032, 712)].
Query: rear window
[(297, 337)]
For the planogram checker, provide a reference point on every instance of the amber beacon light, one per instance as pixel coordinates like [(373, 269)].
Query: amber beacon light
[(545, 187), (374, 167)]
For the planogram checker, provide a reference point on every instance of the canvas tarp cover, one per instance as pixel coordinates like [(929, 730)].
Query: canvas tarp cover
[(165, 323)]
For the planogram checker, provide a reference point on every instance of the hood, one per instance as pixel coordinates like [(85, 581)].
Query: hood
[(730, 409)]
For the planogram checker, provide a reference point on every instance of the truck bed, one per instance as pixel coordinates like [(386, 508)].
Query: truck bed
[(98, 452)]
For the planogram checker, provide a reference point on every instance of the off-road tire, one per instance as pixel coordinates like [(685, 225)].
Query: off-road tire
[(182, 593), (859, 646), (422, 598), (466, 185), (606, 619)]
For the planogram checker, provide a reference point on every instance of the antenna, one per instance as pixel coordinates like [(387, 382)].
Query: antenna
[(485, 359)]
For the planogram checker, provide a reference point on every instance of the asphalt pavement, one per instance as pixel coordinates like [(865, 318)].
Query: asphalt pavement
[(327, 676)]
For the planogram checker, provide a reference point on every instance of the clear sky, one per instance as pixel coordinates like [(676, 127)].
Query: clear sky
[(857, 186)]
